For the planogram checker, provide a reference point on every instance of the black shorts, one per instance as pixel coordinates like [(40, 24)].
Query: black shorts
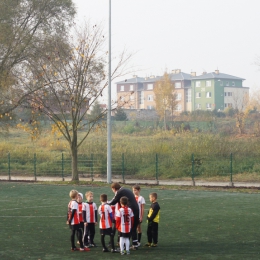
[(75, 227), (107, 231), (82, 225), (125, 234)]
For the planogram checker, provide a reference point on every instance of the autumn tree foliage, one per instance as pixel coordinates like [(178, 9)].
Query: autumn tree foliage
[(70, 77), (24, 27), (165, 97)]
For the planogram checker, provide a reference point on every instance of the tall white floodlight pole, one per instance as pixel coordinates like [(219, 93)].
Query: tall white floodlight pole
[(109, 150)]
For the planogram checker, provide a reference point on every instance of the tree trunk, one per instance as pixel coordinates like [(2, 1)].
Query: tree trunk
[(164, 120), (74, 158)]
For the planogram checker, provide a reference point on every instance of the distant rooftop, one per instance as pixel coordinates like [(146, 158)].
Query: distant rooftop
[(178, 75), (217, 75), (135, 79)]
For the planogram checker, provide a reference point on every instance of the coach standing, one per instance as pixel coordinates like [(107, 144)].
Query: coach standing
[(123, 192)]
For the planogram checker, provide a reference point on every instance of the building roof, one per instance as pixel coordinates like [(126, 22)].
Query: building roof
[(180, 76), (214, 75), (132, 80), (152, 79)]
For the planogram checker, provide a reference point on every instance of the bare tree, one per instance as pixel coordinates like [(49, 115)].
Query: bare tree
[(71, 77), (241, 108)]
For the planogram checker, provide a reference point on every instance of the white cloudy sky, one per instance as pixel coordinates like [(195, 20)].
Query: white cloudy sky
[(191, 35)]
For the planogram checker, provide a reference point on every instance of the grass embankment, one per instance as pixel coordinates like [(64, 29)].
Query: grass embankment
[(212, 155)]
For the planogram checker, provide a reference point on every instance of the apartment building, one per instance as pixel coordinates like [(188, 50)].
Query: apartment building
[(208, 91), (138, 92), (218, 91)]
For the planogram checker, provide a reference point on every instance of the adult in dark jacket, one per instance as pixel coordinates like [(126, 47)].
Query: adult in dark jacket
[(123, 192)]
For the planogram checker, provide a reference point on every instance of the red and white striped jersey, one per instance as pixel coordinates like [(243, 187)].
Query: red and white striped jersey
[(140, 200), (69, 211), (90, 209), (75, 219), (104, 211), (114, 208), (80, 208), (124, 219)]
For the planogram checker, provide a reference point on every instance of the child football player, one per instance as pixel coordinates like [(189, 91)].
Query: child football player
[(90, 219), (141, 202), (80, 208), (153, 221), (105, 223), (124, 223), (73, 221)]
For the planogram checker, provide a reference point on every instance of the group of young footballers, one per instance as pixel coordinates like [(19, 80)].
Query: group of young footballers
[(82, 218)]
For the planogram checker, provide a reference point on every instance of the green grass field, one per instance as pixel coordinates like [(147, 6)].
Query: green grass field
[(193, 224)]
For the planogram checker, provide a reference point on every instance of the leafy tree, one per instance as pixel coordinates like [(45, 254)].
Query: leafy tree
[(24, 27), (120, 115), (96, 112), (165, 97), (71, 77)]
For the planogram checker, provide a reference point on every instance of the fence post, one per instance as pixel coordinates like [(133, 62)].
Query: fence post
[(231, 170), (92, 162), (62, 166), (156, 168), (192, 170), (123, 167), (9, 166), (34, 166)]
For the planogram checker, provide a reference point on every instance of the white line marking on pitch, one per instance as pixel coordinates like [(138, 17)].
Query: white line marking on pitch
[(32, 216), (29, 208)]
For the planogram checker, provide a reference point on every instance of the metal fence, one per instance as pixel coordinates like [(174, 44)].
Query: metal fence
[(139, 166)]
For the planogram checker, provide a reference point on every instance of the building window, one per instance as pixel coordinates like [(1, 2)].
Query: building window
[(149, 86), (149, 107), (188, 95), (197, 84), (131, 87), (198, 106), (122, 98), (178, 107), (178, 96), (132, 97), (227, 83), (233, 84), (198, 94), (177, 84), (228, 94), (208, 83), (150, 97), (208, 94), (208, 106), (228, 104), (122, 88), (141, 97)]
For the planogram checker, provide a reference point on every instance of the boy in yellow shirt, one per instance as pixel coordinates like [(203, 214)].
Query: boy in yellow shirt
[(153, 221)]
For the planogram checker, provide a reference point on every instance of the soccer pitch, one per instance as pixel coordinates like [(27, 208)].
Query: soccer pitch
[(193, 224)]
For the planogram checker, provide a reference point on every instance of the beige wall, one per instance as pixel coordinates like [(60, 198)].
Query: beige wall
[(148, 102), (133, 103), (238, 99), (126, 100)]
